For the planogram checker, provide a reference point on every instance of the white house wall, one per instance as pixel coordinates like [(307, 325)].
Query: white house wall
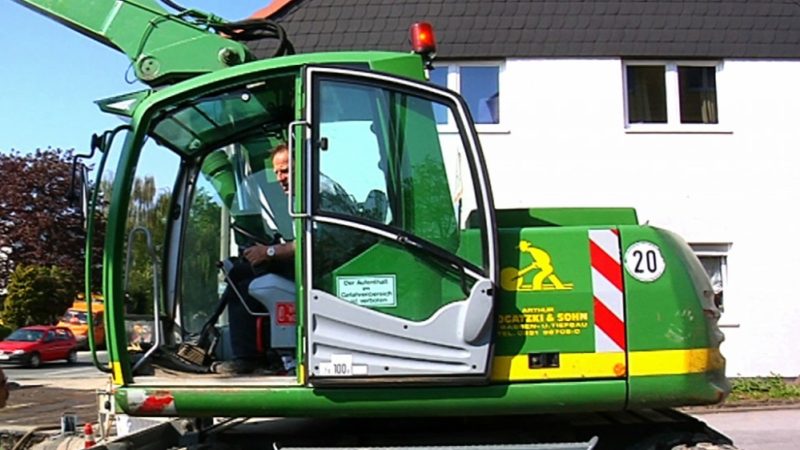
[(563, 142)]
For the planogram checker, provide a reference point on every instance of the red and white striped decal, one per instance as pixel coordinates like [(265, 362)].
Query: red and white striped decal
[(609, 297)]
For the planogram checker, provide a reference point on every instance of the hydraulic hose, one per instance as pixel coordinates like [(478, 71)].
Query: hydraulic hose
[(254, 29), (242, 30)]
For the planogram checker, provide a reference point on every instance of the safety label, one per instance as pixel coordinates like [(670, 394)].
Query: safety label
[(644, 262), (286, 313), (373, 290), (342, 366), (539, 275)]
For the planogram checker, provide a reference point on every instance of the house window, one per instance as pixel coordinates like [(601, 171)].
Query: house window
[(479, 84), (714, 258), (671, 93), (439, 77), (698, 94)]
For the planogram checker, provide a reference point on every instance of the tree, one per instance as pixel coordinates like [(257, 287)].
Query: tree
[(42, 225), (39, 222), (38, 295)]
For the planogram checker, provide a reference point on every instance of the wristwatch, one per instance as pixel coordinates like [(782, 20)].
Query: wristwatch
[(271, 251)]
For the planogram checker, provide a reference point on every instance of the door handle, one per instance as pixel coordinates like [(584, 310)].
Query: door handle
[(292, 172)]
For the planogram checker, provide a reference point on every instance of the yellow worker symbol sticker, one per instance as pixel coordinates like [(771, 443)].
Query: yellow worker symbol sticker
[(544, 276)]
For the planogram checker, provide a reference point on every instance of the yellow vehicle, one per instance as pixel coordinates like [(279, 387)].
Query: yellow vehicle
[(75, 320)]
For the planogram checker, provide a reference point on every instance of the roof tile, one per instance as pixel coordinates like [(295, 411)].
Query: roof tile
[(525, 9), (536, 28)]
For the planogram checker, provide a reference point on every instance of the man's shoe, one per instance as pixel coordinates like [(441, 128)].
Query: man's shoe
[(235, 367)]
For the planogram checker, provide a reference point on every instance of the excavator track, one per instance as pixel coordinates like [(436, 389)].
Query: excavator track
[(705, 446), (631, 430)]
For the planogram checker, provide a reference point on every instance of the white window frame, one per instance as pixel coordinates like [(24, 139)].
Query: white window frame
[(454, 84), (717, 250), (672, 86)]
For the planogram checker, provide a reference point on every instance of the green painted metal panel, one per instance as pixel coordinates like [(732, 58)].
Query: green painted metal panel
[(114, 254), (383, 402), (560, 217), (678, 390), (667, 313), (300, 261), (537, 312), (255, 70), (423, 286), (162, 47)]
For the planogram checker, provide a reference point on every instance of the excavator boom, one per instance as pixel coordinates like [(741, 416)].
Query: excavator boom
[(163, 47)]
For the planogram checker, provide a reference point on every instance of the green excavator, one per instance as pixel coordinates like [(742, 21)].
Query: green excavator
[(417, 314)]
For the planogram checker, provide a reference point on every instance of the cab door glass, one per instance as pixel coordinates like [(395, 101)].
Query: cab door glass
[(382, 165), (203, 247), (148, 214), (380, 160)]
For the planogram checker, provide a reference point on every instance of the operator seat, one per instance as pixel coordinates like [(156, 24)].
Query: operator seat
[(277, 294)]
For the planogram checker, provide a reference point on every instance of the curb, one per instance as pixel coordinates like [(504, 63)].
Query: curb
[(60, 383), (733, 408)]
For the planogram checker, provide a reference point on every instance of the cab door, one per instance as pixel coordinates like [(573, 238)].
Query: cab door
[(399, 236)]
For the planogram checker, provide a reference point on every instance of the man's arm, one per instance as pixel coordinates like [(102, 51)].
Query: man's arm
[(259, 253)]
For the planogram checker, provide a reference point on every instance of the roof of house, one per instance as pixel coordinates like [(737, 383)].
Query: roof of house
[(547, 28)]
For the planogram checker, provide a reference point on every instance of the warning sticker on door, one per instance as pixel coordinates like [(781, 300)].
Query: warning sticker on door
[(373, 290)]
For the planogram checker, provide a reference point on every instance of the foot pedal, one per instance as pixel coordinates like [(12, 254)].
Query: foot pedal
[(193, 354)]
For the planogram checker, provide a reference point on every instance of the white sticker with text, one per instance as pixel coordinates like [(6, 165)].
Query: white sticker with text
[(341, 366), (372, 290)]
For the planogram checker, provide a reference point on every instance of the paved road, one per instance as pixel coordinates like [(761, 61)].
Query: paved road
[(758, 430), (59, 369)]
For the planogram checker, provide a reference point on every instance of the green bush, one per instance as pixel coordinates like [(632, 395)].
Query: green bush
[(37, 295), (773, 387)]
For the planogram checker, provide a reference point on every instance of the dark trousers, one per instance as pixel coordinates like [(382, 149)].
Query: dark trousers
[(242, 323)]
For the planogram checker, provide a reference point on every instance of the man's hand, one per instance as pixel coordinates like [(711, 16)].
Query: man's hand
[(256, 254)]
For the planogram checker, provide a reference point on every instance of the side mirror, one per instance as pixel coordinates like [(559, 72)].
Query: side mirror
[(80, 173)]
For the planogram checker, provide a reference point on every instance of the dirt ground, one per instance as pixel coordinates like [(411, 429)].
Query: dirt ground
[(35, 405), (42, 405)]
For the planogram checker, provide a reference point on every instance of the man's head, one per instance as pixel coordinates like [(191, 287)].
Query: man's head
[(280, 165)]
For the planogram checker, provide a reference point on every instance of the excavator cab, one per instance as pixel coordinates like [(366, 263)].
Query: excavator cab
[(392, 279)]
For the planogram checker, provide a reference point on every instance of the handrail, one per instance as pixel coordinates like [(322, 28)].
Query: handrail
[(87, 268), (156, 291), (290, 193), (103, 143)]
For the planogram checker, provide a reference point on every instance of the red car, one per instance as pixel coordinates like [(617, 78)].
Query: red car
[(36, 344)]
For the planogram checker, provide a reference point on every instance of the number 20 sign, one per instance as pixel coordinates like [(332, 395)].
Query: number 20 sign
[(644, 262)]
